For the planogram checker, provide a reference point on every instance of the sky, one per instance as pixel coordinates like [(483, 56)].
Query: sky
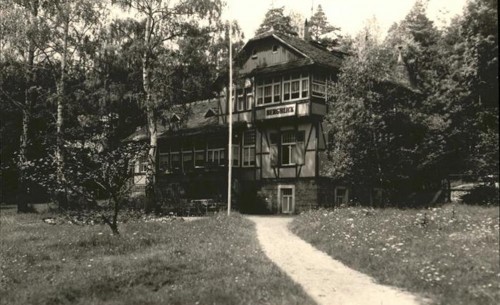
[(349, 15)]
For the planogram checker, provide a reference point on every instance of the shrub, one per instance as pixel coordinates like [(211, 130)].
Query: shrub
[(482, 195)]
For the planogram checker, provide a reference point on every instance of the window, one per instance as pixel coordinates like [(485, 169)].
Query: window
[(286, 91), (236, 155), (164, 162), (286, 88), (216, 156), (318, 85), (269, 91), (187, 160), (142, 166), (341, 195), (295, 86), (268, 94), (199, 158), (277, 93), (295, 89), (199, 152), (241, 103), (305, 88), (260, 95), (287, 147), (287, 200), (275, 48), (249, 101), (249, 148), (175, 160)]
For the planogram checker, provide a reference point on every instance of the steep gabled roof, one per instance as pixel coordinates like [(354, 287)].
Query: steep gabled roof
[(310, 52), (316, 53), (182, 119), (194, 113)]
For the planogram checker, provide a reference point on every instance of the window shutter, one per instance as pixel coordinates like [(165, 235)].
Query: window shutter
[(273, 148), (299, 152), (274, 154), (300, 149)]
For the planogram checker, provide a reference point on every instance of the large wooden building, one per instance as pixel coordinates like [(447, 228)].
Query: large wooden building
[(278, 109)]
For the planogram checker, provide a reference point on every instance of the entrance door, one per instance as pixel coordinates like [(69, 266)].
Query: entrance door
[(287, 200)]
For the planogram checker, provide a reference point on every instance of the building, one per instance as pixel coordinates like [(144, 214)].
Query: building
[(279, 104)]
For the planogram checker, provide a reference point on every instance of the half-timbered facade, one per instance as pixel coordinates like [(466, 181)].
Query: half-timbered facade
[(279, 103)]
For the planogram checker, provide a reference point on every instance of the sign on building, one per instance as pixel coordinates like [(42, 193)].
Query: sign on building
[(280, 111)]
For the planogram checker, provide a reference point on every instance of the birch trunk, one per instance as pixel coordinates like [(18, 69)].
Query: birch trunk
[(151, 121), (61, 90)]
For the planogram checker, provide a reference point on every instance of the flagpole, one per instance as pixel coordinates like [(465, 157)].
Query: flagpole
[(230, 119)]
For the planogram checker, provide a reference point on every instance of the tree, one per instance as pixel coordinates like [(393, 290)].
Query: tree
[(470, 89), (276, 20), (319, 26), (419, 38), (73, 23), (457, 73), (163, 24), (425, 55), (373, 122), (21, 38), (92, 171)]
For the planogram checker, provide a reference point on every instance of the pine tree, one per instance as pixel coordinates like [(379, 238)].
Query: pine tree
[(276, 20), (319, 25)]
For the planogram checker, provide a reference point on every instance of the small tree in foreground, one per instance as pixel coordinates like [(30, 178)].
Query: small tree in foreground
[(92, 172)]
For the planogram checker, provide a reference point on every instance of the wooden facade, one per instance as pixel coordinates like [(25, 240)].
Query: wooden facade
[(279, 104)]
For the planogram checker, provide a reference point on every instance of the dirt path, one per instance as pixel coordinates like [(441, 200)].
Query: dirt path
[(327, 281)]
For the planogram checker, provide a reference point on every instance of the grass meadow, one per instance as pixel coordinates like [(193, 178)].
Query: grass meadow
[(448, 254), (216, 260)]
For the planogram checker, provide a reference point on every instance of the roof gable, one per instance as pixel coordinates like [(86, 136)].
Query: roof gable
[(297, 49), (210, 113)]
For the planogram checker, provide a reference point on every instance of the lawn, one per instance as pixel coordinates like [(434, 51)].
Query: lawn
[(449, 254), (216, 260)]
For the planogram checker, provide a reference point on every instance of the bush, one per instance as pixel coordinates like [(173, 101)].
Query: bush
[(482, 195)]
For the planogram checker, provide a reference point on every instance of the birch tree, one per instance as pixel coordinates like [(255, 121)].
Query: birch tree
[(72, 22), (164, 24)]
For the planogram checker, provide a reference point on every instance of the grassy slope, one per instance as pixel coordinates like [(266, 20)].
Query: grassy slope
[(210, 261), (449, 254)]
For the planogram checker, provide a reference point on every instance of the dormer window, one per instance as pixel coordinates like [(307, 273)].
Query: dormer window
[(175, 118), (254, 53), (275, 48), (210, 113)]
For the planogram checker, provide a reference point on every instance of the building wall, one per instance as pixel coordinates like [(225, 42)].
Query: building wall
[(305, 192), (310, 193), (265, 152)]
